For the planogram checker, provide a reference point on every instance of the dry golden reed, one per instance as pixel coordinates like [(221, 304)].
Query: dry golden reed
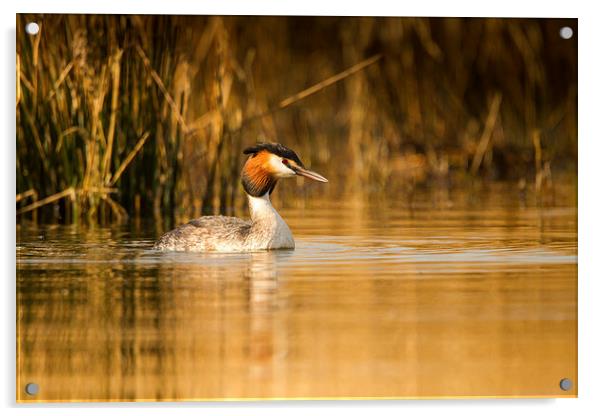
[(148, 115)]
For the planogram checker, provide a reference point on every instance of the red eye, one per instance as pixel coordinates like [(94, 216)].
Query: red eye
[(285, 161)]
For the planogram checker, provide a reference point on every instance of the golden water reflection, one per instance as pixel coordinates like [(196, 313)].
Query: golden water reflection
[(378, 300)]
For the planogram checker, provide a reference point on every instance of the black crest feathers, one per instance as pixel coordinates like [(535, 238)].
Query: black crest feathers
[(275, 148)]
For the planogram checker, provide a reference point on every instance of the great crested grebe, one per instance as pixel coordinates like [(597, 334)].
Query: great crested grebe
[(266, 230)]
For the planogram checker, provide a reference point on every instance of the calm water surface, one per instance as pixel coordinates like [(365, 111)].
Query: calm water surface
[(451, 294)]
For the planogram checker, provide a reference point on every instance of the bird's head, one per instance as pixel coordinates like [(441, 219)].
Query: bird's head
[(269, 162)]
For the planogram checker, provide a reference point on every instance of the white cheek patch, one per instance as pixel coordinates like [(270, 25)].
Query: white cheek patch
[(279, 169)]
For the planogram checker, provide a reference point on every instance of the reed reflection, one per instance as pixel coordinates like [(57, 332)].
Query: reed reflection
[(434, 301)]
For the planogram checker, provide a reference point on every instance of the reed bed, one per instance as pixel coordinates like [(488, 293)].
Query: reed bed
[(123, 116)]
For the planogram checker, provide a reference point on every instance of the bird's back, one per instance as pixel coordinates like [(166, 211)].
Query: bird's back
[(209, 233)]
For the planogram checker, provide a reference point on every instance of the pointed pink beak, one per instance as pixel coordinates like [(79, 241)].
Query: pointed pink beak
[(309, 174)]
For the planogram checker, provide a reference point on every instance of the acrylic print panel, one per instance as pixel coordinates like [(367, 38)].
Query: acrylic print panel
[(439, 260)]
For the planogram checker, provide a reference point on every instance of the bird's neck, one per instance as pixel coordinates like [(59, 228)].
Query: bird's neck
[(261, 209), (267, 226)]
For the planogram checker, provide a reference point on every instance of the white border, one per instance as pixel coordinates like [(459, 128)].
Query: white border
[(590, 191), (507, 8)]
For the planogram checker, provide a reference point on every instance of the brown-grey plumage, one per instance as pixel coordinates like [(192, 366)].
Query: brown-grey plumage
[(205, 234), (266, 230)]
